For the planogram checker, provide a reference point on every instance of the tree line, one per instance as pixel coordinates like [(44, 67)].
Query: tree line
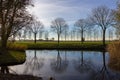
[(14, 18), (95, 25)]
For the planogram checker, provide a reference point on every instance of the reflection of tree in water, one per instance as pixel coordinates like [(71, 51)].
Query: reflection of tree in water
[(85, 68), (33, 64), (4, 69), (59, 65), (104, 73)]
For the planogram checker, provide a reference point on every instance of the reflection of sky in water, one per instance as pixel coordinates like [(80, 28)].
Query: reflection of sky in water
[(68, 62)]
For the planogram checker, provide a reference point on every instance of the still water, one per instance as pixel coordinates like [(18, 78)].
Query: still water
[(67, 65)]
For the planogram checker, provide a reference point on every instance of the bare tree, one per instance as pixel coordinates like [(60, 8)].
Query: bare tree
[(46, 35), (58, 26), (89, 34), (103, 17), (13, 17), (117, 27), (117, 12), (110, 34), (35, 27), (72, 34), (25, 33), (65, 33), (29, 34), (41, 34), (82, 26), (19, 34), (95, 33), (117, 19)]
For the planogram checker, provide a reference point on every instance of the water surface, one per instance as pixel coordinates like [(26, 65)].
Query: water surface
[(67, 65)]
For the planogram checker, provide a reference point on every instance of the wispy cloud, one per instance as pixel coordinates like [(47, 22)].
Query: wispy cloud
[(70, 10)]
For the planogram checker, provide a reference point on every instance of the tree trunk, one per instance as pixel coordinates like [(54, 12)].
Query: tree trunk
[(82, 36), (3, 45), (35, 37), (58, 39), (104, 37), (4, 70)]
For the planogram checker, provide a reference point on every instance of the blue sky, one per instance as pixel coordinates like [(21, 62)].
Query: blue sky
[(70, 10)]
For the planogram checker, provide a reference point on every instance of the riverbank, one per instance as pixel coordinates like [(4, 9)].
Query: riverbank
[(18, 77), (69, 45), (12, 58)]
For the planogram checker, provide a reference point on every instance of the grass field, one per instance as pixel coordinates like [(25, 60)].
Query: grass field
[(69, 45)]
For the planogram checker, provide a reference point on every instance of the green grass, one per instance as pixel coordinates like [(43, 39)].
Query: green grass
[(16, 47), (12, 58), (69, 45)]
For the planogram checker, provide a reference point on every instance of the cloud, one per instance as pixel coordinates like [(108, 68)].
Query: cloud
[(70, 10)]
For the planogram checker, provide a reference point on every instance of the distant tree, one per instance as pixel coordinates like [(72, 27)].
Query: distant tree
[(65, 33), (19, 34), (96, 33), (89, 34), (110, 34), (78, 35), (117, 19), (72, 34), (103, 17), (58, 26), (29, 34), (117, 12), (25, 33), (82, 26), (41, 33), (35, 27), (13, 17), (117, 32), (46, 35)]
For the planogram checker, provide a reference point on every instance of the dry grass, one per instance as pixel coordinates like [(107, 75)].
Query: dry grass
[(114, 50), (17, 47)]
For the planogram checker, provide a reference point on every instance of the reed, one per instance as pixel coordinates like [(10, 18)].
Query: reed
[(114, 50)]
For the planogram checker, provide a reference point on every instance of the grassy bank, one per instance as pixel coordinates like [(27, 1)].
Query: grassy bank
[(12, 58), (17, 47), (114, 50), (64, 45)]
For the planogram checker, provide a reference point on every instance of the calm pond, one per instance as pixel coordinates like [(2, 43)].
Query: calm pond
[(67, 65)]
